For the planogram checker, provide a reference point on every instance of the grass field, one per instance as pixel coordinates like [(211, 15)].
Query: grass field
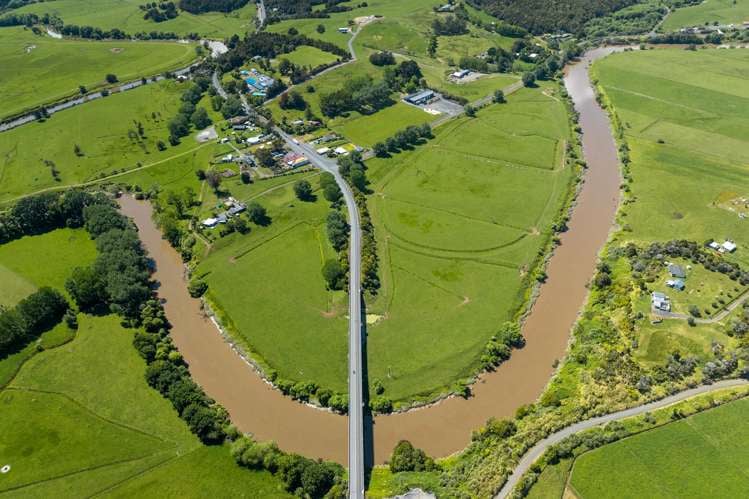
[(104, 129), (279, 307), (88, 401), (46, 69), (709, 11), (701, 456), (366, 130), (126, 15), (309, 56), (45, 260), (404, 30), (459, 221), (688, 134)]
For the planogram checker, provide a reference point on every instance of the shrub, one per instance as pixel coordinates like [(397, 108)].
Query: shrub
[(406, 457), (197, 288)]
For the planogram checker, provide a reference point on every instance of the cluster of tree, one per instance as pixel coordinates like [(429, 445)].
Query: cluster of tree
[(361, 94), (449, 26), (200, 6), (269, 46), (633, 20), (172, 207), (403, 139), (297, 73), (292, 100), (159, 11), (406, 457), (45, 212), (365, 95), (33, 315), (330, 190), (303, 191), (500, 345), (539, 16), (188, 113), (305, 391), (301, 476), (293, 9), (337, 229), (352, 168), (385, 58), (675, 38), (28, 20)]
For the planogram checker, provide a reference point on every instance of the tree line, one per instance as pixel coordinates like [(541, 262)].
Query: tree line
[(201, 6), (188, 114), (33, 315)]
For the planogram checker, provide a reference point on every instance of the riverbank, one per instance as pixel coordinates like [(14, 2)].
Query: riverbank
[(257, 408)]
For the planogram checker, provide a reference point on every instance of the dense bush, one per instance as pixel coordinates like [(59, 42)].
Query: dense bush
[(200, 6), (300, 475), (33, 315), (406, 457), (384, 58)]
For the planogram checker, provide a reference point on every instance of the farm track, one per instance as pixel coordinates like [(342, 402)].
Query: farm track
[(537, 450)]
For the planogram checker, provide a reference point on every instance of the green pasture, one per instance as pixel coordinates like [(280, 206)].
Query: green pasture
[(683, 113), (459, 222), (309, 56), (268, 288), (365, 130), (81, 420), (44, 260), (709, 11), (104, 129), (126, 15), (46, 69), (700, 456)]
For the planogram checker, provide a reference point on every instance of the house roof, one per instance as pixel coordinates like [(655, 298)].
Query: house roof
[(676, 270), (657, 295)]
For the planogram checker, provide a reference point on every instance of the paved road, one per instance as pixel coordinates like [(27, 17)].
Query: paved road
[(261, 14), (537, 450), (719, 317), (356, 400)]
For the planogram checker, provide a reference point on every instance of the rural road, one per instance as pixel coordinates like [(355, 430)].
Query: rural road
[(719, 317), (537, 450), (356, 400)]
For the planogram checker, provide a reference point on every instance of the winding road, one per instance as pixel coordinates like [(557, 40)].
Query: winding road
[(537, 450)]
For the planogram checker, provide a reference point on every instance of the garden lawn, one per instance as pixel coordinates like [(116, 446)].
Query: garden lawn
[(106, 132), (268, 288), (700, 456), (459, 222), (684, 118), (709, 11), (44, 260), (47, 69), (127, 16), (88, 401)]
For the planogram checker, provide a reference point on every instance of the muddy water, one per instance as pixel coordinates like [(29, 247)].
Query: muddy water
[(445, 427), (253, 405)]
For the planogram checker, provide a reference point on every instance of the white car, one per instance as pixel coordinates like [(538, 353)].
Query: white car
[(295, 141)]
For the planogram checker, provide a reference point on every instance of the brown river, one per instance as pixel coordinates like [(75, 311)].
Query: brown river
[(443, 428)]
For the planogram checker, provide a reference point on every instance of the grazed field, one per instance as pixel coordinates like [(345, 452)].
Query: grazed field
[(269, 289), (309, 56), (126, 15), (46, 69), (45, 260), (700, 456), (685, 123), (709, 11), (104, 129), (88, 401), (459, 222)]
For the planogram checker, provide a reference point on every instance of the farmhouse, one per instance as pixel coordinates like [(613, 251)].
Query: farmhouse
[(295, 160), (676, 271), (729, 246), (420, 98), (323, 150), (459, 75), (660, 301), (340, 151)]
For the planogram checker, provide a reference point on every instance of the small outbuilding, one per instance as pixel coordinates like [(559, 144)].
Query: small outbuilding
[(729, 246), (676, 284), (676, 271)]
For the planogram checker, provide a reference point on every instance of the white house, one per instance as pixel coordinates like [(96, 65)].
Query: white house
[(729, 246)]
